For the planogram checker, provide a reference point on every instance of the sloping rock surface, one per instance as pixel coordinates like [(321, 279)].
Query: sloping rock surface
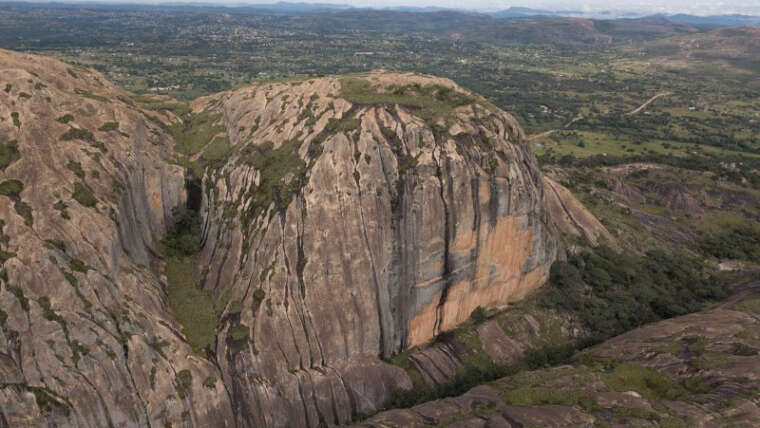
[(572, 218), (345, 220), (701, 369), (85, 335), (413, 203)]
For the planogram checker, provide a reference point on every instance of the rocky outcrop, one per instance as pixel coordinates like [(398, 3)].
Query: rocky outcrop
[(85, 336), (344, 220), (502, 343), (408, 203), (701, 369), (572, 218)]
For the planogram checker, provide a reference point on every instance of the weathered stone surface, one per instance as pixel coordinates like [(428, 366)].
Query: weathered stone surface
[(399, 229), (700, 369), (86, 339), (336, 231), (572, 218), (503, 343)]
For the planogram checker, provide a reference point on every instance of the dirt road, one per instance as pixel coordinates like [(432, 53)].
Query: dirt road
[(649, 101)]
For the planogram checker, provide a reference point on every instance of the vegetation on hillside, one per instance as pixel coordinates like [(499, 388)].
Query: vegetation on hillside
[(192, 306), (616, 292)]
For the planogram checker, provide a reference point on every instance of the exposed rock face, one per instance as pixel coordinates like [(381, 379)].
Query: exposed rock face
[(85, 337), (344, 220), (572, 218), (405, 220)]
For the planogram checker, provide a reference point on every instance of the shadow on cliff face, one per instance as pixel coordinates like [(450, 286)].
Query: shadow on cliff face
[(194, 193)]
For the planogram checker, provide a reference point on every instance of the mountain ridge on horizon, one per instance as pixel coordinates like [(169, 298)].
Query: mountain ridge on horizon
[(512, 12)]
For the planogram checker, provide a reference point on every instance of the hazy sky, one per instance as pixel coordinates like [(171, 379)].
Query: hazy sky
[(697, 7), (666, 6)]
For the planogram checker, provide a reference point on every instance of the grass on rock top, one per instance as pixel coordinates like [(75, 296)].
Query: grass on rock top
[(430, 101)]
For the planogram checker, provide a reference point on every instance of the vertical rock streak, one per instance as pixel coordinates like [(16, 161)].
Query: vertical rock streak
[(404, 239), (342, 221)]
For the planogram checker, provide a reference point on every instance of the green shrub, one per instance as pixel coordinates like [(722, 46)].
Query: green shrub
[(479, 315), (531, 396), (56, 243), (630, 412), (613, 293), (347, 123), (16, 120), (109, 126), (22, 299), (697, 385), (158, 104), (80, 266), (547, 356), (744, 350), (5, 255), (83, 195), (183, 382), (741, 242), (47, 401), (217, 152), (76, 168), (210, 382), (158, 346), (66, 118), (695, 344), (77, 134), (281, 171), (90, 95), (184, 238), (24, 210), (750, 305), (8, 153), (11, 188), (61, 207), (465, 379), (238, 332)]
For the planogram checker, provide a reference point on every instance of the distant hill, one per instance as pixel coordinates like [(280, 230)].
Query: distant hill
[(302, 8), (521, 12), (715, 20), (720, 50), (574, 31)]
